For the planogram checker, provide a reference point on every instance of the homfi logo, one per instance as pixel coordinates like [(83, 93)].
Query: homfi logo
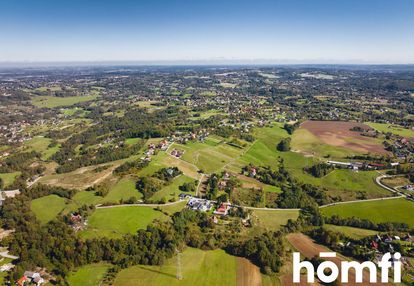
[(328, 271)]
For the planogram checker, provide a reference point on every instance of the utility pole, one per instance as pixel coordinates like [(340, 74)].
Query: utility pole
[(179, 266)]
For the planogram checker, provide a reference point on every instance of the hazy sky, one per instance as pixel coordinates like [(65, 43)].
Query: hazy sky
[(375, 31)]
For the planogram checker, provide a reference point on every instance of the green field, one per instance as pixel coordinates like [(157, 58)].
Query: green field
[(346, 183), (172, 209), (352, 232), (156, 163), (41, 144), (8, 178), (171, 191), (80, 112), (88, 275), (132, 141), (52, 101), (343, 183), (124, 189), (48, 207), (395, 129), (273, 219), (208, 93), (198, 268), (117, 221), (82, 198), (394, 210), (211, 156)]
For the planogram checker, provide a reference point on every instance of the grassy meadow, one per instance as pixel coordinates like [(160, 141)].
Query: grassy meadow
[(172, 191), (274, 219), (211, 156), (88, 275), (345, 184), (394, 210), (8, 178), (48, 207), (394, 129), (47, 101), (198, 268), (352, 232), (117, 221), (123, 189), (41, 144)]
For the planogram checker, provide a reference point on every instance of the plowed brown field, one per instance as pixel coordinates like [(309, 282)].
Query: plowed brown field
[(338, 134)]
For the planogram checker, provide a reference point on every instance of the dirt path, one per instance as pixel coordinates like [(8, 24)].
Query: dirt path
[(248, 274), (200, 181), (309, 249)]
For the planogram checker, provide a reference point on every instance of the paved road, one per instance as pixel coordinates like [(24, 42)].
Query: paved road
[(379, 183)]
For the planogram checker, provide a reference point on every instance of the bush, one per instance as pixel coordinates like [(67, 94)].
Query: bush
[(284, 145)]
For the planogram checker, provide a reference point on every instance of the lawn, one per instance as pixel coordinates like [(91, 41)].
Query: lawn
[(187, 168), (48, 207), (124, 189), (263, 151), (8, 178), (172, 209), (41, 144), (198, 268), (273, 219), (395, 129), (172, 190), (52, 101), (395, 210), (156, 163), (132, 141), (82, 198), (88, 275), (352, 232), (117, 221)]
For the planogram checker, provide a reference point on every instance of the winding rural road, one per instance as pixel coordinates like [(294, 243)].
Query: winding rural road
[(379, 183)]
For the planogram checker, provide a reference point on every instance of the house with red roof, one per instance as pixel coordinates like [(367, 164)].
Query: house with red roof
[(223, 209)]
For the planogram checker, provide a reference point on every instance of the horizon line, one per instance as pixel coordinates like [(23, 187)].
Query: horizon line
[(201, 62)]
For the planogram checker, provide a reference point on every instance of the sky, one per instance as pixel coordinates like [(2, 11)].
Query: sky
[(290, 31)]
